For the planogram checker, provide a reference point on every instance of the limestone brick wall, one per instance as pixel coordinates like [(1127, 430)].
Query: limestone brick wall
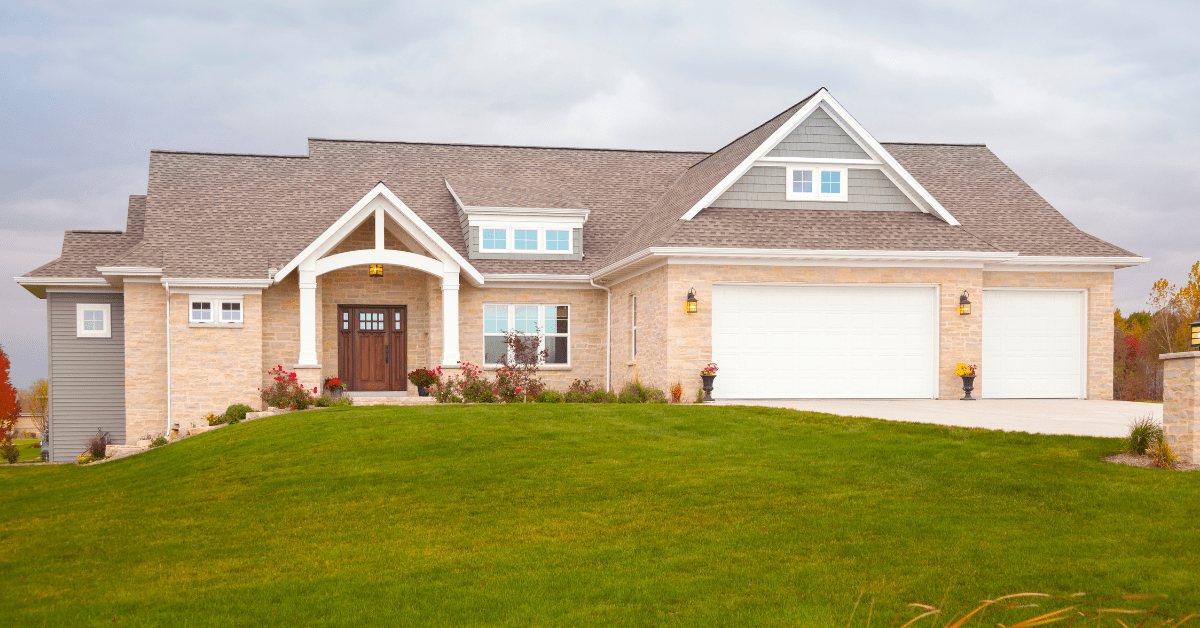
[(1100, 308), (1181, 404), (587, 328), (398, 286), (281, 325), (145, 360), (689, 336), (214, 367), (650, 365)]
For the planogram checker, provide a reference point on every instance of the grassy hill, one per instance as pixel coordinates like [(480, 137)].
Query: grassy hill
[(575, 515)]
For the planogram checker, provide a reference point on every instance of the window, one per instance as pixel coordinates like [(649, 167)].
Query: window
[(633, 317), (214, 311), (550, 322), (816, 183), (525, 239), (495, 239), (93, 320), (558, 241)]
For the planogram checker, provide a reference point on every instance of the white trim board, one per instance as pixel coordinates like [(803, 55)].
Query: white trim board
[(822, 99)]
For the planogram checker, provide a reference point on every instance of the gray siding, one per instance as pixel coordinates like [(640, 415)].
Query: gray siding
[(764, 187), (576, 254), (87, 376), (819, 137)]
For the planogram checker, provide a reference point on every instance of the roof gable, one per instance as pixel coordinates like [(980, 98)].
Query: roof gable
[(819, 136)]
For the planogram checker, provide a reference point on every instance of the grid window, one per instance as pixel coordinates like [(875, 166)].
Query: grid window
[(550, 322), (831, 182), (231, 312), (92, 320), (558, 240), (525, 239), (495, 239), (202, 311), (802, 181), (370, 321)]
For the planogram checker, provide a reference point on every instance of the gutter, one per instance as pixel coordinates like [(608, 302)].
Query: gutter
[(167, 286), (607, 334)]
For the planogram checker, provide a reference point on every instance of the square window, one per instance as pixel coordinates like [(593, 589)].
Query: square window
[(495, 239), (831, 182), (495, 319), (525, 240), (231, 312), (92, 320), (558, 240), (526, 319), (494, 349), (802, 181), (202, 311)]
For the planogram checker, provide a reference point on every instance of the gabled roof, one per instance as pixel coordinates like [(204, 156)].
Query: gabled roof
[(84, 250)]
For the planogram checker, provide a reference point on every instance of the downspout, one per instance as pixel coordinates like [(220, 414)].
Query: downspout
[(607, 333), (167, 286)]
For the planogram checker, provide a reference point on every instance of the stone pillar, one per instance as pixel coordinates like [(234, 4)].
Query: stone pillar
[(1181, 404), (450, 355)]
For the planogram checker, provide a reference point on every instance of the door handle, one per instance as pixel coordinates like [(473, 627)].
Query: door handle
[(387, 353)]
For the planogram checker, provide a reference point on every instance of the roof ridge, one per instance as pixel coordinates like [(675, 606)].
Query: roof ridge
[(97, 231), (935, 144), (201, 152), (614, 150), (768, 121)]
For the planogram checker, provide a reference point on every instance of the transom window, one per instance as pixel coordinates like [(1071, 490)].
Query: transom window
[(525, 240), (93, 320), (816, 183), (495, 239), (370, 321), (215, 311), (551, 323)]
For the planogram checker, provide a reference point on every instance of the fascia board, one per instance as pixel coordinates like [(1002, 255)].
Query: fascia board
[(891, 162), (554, 212), (215, 282), (967, 257), (129, 271), (1052, 260), (37, 285), (758, 152), (536, 278), (473, 276)]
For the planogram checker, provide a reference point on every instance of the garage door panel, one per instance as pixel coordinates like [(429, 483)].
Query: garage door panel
[(1032, 344), (822, 341)]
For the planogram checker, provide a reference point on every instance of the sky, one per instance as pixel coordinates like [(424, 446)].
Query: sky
[(1093, 103)]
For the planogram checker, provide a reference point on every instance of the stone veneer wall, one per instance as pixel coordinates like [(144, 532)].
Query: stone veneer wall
[(1100, 308), (398, 286), (689, 336), (587, 328), (281, 325), (1181, 404), (214, 367), (145, 360), (650, 365)]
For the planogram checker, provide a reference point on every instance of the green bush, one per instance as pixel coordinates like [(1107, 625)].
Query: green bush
[(324, 401), (159, 442), (343, 402), (237, 413), (656, 396), (1143, 434), (602, 396), (10, 452), (574, 396), (549, 396), (632, 393)]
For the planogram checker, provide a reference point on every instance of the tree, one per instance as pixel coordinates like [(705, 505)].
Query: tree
[(36, 401), (10, 407)]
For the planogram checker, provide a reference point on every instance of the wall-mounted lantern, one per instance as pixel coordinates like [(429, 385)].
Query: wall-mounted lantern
[(1196, 333), (376, 270), (964, 304), (693, 305)]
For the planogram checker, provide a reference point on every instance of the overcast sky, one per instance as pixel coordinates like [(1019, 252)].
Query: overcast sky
[(1094, 104)]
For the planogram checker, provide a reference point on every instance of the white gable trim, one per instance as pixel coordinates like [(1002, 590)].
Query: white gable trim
[(418, 229), (914, 190)]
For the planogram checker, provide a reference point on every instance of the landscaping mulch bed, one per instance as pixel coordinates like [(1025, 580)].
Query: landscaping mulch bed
[(1135, 460)]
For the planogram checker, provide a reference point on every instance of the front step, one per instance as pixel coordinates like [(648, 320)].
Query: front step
[(387, 398)]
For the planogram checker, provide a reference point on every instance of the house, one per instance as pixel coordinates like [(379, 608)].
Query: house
[(823, 264)]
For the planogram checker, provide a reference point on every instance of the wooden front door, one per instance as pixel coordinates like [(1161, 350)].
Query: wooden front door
[(372, 347)]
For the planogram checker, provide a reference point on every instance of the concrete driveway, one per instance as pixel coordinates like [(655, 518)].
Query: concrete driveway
[(1039, 416)]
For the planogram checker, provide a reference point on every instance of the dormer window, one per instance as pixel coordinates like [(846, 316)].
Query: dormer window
[(816, 183), (558, 240), (495, 240), (510, 220), (525, 239)]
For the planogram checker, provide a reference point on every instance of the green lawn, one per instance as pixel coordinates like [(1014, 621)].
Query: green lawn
[(585, 515), (25, 446)]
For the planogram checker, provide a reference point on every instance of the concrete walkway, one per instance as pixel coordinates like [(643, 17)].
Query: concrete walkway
[(1039, 416)]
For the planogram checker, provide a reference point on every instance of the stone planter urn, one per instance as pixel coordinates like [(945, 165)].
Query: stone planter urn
[(422, 391), (335, 393), (708, 386), (968, 386)]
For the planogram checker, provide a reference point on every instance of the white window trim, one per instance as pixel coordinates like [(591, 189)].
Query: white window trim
[(541, 336), (816, 194), (80, 308), (510, 236), (215, 303)]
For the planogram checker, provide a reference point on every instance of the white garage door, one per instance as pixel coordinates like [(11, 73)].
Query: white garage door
[(837, 342), (1032, 344)]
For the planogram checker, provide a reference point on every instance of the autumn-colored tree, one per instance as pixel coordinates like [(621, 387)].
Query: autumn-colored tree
[(36, 401), (10, 407)]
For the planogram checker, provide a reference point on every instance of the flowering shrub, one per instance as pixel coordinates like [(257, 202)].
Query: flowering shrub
[(961, 369), (214, 419), (333, 383), (475, 388), (286, 391), (85, 457), (508, 385), (676, 392), (423, 377), (446, 389), (711, 369)]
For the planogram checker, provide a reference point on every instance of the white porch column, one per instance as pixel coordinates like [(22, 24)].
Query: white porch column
[(450, 356), (308, 319)]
